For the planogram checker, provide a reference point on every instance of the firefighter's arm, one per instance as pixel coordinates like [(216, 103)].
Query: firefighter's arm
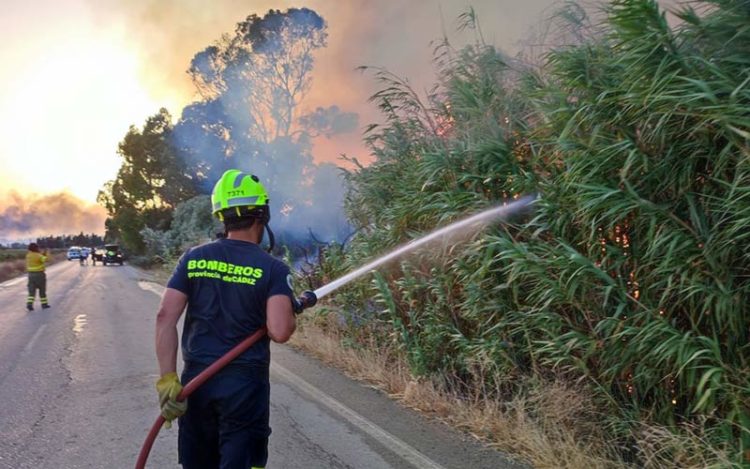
[(280, 320), (168, 387), (172, 305)]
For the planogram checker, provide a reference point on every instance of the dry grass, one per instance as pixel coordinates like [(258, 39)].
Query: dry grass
[(552, 426), (161, 273), (13, 268), (660, 447)]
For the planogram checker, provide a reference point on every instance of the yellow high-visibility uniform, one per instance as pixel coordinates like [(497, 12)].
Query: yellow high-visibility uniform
[(37, 279), (35, 261)]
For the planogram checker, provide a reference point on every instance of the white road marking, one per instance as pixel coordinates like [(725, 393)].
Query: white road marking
[(22, 278), (15, 281), (34, 338), (401, 448), (79, 322), (152, 287)]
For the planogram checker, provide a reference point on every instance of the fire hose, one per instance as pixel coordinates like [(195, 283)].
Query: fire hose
[(307, 300)]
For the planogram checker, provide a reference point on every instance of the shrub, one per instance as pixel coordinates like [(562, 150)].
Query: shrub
[(632, 276)]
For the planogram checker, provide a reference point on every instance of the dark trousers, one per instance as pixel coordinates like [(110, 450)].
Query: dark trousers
[(226, 423), (37, 281)]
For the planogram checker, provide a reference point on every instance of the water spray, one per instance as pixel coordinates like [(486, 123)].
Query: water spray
[(310, 298), (478, 221)]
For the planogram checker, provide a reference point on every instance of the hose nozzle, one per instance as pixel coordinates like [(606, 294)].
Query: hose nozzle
[(306, 300)]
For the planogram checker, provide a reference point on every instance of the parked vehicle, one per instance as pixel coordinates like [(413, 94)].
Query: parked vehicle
[(112, 254), (74, 252)]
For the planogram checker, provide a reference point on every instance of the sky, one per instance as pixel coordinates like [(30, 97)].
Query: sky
[(75, 74)]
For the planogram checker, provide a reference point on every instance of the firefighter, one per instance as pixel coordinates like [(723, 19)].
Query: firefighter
[(231, 288), (35, 261)]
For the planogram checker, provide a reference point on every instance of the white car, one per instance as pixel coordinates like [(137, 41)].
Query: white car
[(74, 253)]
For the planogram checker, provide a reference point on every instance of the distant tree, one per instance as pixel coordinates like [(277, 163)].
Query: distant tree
[(251, 84), (264, 70), (151, 181), (63, 241)]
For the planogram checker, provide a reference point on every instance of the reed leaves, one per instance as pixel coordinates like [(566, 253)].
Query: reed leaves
[(632, 275)]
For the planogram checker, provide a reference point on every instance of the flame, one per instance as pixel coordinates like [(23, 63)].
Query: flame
[(286, 209)]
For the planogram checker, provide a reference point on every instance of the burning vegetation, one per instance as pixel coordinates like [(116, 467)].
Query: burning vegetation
[(629, 283)]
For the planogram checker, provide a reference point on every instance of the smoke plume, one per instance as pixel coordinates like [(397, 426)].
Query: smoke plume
[(306, 190), (329, 121), (393, 34), (52, 214)]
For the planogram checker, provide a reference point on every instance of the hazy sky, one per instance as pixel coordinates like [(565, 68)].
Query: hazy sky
[(74, 74)]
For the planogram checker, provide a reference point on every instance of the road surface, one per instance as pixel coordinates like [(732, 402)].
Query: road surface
[(77, 390)]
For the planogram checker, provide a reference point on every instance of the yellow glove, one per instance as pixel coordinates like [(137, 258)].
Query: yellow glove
[(169, 388)]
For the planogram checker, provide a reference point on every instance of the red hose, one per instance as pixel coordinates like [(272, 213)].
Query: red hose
[(194, 384)]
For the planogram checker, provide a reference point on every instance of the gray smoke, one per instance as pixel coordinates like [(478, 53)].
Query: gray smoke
[(329, 121), (393, 34), (50, 214)]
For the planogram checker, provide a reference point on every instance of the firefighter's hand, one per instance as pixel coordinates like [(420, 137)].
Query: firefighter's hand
[(169, 388), (308, 299)]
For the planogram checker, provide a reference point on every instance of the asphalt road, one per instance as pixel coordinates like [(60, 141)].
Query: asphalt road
[(77, 390)]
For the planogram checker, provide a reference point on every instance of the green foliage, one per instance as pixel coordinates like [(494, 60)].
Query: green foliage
[(63, 241), (151, 181), (12, 254), (158, 247), (632, 274), (192, 223)]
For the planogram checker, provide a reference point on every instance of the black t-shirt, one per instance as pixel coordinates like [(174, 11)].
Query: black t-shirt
[(227, 283)]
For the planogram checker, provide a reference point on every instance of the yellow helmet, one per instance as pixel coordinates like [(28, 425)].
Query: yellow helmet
[(240, 191)]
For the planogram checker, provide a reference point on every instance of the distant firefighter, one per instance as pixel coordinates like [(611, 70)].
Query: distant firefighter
[(35, 261)]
